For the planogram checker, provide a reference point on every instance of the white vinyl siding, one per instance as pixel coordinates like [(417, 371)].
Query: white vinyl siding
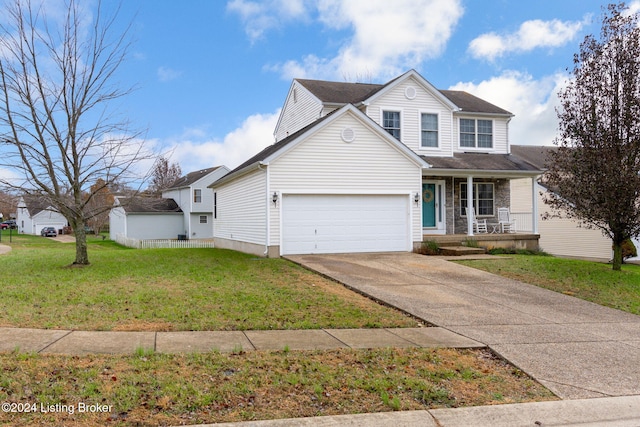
[(411, 110), (559, 236), (154, 226), (241, 209), (295, 115), (325, 164)]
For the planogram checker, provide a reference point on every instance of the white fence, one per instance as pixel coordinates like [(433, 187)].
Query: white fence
[(163, 243)]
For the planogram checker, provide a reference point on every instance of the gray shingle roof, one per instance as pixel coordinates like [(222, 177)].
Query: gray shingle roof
[(149, 205), (340, 92), (534, 154), (353, 93), (481, 161), (467, 102), (191, 177)]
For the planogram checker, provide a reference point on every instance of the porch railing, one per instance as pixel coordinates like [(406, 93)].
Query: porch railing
[(524, 221)]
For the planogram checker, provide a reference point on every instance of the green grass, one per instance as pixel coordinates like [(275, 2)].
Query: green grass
[(591, 281), (172, 289), (163, 389)]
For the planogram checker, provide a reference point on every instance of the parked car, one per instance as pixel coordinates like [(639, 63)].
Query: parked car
[(48, 232), (8, 224)]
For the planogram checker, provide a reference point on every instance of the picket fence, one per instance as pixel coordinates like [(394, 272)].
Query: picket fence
[(163, 243)]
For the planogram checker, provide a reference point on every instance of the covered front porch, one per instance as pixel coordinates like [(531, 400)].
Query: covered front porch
[(454, 189)]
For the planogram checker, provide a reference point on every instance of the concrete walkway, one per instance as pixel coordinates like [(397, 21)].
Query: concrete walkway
[(575, 348), (55, 341)]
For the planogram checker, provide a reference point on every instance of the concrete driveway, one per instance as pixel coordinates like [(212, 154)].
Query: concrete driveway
[(575, 348)]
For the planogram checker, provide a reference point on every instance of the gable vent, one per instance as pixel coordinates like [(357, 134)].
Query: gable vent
[(410, 92), (348, 135)]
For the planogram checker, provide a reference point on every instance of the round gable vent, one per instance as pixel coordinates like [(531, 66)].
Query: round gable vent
[(348, 135), (410, 92)]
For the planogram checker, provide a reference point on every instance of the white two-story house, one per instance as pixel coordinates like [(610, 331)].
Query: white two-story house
[(192, 193), (367, 168)]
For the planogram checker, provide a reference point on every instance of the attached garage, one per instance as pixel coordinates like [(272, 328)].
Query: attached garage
[(316, 224)]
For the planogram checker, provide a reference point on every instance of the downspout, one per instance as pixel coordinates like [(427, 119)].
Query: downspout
[(267, 207)]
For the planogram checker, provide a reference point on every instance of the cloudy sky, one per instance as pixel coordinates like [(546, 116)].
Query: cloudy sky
[(212, 75)]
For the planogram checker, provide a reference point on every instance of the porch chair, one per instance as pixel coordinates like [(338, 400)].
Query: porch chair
[(479, 225), (507, 225)]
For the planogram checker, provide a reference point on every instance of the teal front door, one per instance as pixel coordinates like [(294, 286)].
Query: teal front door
[(428, 205)]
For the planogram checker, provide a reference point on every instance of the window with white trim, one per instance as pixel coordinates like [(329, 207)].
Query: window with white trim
[(391, 123), (203, 219), (197, 195), (429, 130), (476, 133), (483, 198)]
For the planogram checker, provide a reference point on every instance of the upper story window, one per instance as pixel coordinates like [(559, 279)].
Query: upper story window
[(197, 195), (429, 130), (476, 133), (391, 123)]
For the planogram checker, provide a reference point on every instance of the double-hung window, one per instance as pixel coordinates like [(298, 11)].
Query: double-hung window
[(197, 195), (391, 123), (429, 130), (483, 198), (476, 133)]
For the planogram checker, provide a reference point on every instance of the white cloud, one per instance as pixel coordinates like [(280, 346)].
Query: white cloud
[(192, 151), (385, 40), (166, 74), (532, 101), (262, 16), (531, 35)]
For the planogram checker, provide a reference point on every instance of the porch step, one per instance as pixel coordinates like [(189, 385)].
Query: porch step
[(460, 250)]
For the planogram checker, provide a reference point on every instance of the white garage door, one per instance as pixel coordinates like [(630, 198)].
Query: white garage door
[(344, 223)]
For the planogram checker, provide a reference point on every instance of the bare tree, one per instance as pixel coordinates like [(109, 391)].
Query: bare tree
[(163, 175), (57, 90), (596, 170)]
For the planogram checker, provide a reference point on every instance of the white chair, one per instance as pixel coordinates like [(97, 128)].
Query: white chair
[(507, 225), (479, 225)]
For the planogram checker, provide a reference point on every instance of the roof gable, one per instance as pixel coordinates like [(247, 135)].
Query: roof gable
[(272, 152)]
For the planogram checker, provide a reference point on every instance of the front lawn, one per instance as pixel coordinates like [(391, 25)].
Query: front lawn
[(173, 290), (591, 281), (158, 389)]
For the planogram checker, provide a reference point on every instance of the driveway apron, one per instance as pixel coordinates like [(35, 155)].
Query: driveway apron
[(575, 348)]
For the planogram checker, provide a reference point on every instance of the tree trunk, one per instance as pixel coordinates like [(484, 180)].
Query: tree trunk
[(82, 254), (617, 256)]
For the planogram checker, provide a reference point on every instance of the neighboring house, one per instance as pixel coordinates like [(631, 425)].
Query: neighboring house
[(145, 218), (34, 213), (192, 194), (558, 236), (368, 167)]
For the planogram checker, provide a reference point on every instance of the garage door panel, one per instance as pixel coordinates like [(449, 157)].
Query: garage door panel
[(344, 223)]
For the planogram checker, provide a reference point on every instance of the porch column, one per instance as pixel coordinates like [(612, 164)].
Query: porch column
[(470, 197), (534, 205)]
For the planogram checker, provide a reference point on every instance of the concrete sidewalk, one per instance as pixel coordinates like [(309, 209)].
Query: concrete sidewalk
[(602, 412), (575, 348), (54, 341)]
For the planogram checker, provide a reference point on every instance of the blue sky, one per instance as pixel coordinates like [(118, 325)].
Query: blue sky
[(212, 74)]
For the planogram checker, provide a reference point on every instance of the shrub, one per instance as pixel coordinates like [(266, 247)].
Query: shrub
[(429, 247), (628, 249)]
